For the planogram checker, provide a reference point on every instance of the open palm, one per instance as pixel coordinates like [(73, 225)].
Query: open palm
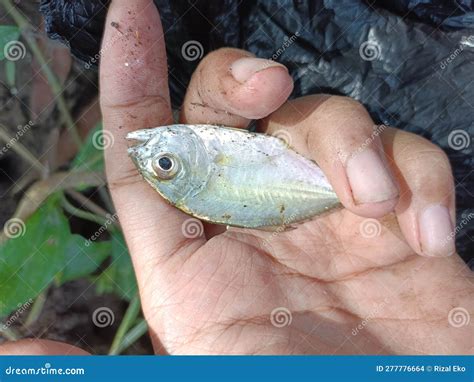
[(340, 284), (371, 277)]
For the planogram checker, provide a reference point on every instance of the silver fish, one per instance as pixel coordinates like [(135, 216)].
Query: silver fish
[(231, 176)]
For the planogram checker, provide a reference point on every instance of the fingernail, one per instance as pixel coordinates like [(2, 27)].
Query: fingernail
[(246, 67), (436, 231), (369, 179)]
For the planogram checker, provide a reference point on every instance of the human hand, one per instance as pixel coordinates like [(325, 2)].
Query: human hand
[(355, 280)]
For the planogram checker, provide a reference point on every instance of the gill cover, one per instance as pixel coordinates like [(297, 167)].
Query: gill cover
[(185, 147)]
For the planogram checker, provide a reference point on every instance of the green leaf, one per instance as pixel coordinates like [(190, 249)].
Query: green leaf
[(8, 35), (91, 155), (83, 257), (45, 252), (29, 263), (10, 70), (119, 277)]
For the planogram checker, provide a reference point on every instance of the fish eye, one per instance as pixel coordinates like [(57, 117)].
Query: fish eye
[(165, 163), (166, 166)]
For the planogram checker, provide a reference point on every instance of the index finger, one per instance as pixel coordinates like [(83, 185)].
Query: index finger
[(134, 95)]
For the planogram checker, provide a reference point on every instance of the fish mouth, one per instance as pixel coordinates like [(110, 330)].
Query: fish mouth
[(136, 138), (142, 135)]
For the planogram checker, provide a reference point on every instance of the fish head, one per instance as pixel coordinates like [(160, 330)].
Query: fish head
[(172, 159)]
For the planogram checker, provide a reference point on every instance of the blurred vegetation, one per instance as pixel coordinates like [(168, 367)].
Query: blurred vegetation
[(44, 252)]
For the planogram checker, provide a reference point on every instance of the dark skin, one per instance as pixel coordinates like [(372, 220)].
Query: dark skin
[(348, 290)]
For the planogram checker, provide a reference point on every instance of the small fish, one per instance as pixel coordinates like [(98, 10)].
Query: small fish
[(231, 176)]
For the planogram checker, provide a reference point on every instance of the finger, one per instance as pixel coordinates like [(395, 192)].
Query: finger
[(134, 94), (231, 87), (426, 211), (340, 136), (35, 346)]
